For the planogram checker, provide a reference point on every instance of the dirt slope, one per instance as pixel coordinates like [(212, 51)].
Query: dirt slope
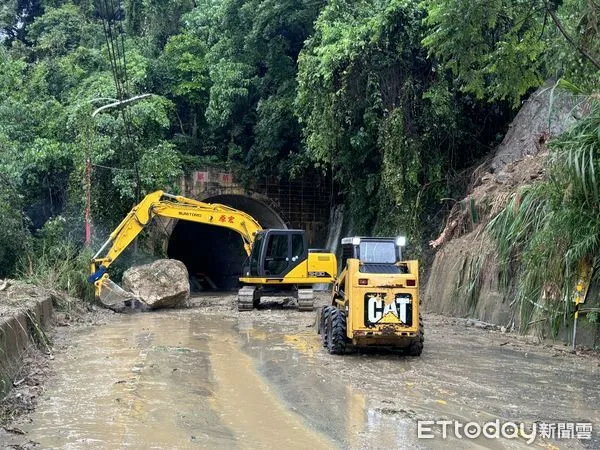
[(464, 276)]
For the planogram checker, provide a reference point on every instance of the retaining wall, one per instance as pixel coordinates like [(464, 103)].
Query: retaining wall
[(20, 328)]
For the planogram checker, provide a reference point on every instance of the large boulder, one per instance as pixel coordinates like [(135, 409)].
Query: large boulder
[(161, 284)]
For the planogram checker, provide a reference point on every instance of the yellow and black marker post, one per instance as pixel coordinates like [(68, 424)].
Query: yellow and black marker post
[(584, 278)]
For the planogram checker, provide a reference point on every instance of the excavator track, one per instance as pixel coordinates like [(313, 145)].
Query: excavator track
[(245, 298), (306, 299)]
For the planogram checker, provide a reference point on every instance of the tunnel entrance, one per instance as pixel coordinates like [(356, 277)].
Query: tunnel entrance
[(215, 256)]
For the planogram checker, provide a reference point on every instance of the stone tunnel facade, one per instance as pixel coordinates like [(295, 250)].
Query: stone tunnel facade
[(301, 204), (217, 254)]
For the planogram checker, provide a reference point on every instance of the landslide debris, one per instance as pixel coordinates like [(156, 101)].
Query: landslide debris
[(517, 161)]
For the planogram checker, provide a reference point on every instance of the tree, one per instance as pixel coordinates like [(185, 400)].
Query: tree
[(505, 48), (373, 110), (15, 16), (252, 59)]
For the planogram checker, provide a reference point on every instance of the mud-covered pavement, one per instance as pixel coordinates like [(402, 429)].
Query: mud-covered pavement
[(211, 377)]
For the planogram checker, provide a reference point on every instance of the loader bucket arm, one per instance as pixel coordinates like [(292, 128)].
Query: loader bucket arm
[(173, 206)]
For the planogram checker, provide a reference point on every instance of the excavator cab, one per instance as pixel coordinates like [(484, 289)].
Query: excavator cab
[(280, 264), (276, 252)]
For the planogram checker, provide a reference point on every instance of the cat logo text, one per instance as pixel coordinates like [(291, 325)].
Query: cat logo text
[(380, 309)]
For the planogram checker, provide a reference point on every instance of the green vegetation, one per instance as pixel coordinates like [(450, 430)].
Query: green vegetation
[(377, 113), (392, 98), (501, 49), (54, 261), (547, 229)]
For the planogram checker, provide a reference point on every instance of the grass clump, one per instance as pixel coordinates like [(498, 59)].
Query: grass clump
[(55, 262)]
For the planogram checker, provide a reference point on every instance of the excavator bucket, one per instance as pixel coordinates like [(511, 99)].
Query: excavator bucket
[(118, 299)]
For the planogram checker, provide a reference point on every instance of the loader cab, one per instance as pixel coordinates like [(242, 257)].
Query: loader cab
[(276, 252), (374, 254)]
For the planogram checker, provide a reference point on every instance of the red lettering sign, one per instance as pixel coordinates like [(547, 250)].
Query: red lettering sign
[(225, 178)]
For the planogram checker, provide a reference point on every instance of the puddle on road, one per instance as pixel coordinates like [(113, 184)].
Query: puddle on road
[(249, 406), (307, 380), (373, 400), (162, 380)]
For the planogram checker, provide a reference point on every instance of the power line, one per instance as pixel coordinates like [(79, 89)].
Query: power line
[(111, 168), (115, 40)]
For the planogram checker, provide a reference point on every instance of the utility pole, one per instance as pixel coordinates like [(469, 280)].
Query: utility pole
[(88, 198), (88, 184), (88, 163)]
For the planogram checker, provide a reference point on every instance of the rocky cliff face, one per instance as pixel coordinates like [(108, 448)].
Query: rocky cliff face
[(464, 279), (548, 112)]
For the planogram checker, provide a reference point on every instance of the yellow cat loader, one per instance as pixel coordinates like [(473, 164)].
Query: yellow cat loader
[(279, 261), (375, 299)]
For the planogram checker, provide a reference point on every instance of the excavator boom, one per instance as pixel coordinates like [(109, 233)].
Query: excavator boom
[(162, 204)]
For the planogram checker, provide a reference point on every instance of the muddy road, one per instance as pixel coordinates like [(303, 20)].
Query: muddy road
[(210, 377)]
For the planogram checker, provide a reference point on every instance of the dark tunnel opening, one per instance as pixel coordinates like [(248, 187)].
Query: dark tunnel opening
[(215, 256)]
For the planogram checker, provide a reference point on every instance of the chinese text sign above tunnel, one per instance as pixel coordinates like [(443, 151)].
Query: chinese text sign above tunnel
[(221, 178)]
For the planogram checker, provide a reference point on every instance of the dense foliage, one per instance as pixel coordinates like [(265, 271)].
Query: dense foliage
[(375, 112), (392, 97), (501, 49)]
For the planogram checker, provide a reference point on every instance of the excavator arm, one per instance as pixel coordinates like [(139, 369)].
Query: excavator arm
[(162, 204)]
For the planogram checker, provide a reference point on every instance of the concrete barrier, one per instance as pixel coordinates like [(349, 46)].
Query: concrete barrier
[(19, 329)]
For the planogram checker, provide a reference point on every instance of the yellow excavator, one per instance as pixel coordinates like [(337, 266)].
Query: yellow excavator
[(279, 260)]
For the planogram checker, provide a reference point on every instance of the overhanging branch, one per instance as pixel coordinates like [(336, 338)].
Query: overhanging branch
[(571, 41)]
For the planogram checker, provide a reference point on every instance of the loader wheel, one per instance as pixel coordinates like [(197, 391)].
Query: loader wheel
[(336, 332), (325, 313), (416, 346)]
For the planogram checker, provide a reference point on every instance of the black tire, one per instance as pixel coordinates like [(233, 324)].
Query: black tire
[(416, 346), (325, 312), (336, 332)]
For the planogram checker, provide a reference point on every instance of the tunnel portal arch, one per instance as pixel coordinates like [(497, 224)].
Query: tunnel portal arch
[(213, 255)]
